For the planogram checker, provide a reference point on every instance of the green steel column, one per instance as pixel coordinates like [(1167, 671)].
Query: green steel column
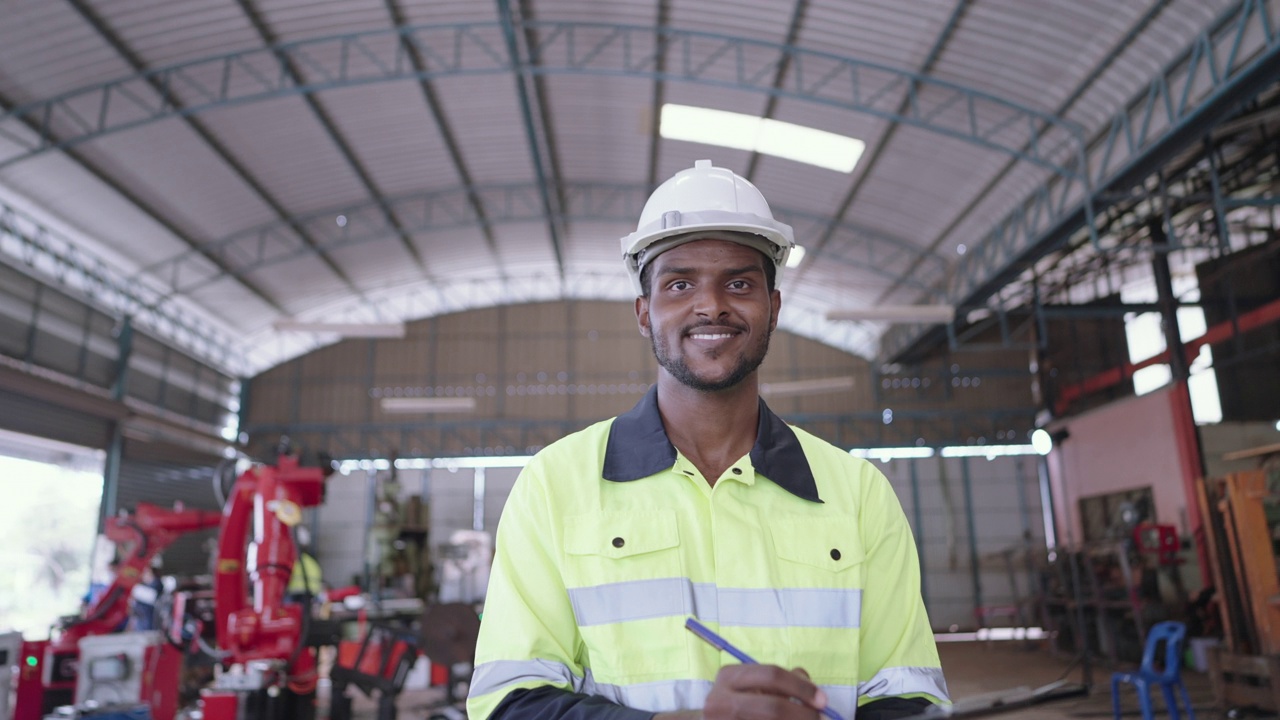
[(242, 414), (111, 470), (967, 482), (918, 516)]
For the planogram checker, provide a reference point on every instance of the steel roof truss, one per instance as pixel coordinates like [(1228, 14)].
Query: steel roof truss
[(818, 77), (1002, 254)]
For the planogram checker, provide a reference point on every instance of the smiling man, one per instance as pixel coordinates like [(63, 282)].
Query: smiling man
[(700, 502)]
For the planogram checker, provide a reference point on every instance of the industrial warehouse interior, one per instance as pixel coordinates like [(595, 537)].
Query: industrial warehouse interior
[(298, 296)]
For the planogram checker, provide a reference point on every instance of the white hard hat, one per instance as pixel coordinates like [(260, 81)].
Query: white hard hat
[(699, 200)]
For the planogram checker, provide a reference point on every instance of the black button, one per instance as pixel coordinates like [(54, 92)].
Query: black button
[(737, 471), (619, 542), (835, 554)]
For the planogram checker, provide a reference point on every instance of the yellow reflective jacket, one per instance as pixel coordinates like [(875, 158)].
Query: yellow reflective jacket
[(800, 555), (313, 582)]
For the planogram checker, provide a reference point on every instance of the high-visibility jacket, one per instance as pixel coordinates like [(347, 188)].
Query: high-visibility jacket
[(306, 576), (800, 555)]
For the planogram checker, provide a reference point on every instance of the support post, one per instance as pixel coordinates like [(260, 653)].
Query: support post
[(918, 516), (1186, 436), (111, 469)]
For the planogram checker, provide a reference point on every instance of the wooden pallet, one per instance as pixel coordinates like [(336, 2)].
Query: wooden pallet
[(1245, 680)]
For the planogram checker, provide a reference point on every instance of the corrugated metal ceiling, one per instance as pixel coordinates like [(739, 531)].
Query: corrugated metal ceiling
[(186, 185)]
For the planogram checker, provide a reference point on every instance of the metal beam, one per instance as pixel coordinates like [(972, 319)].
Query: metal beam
[(525, 436), (572, 48), (169, 100), (869, 164), (445, 128), (531, 32), (44, 253), (258, 247), (659, 90), (331, 129), (1061, 111), (147, 209), (1230, 62), (520, 69), (780, 76)]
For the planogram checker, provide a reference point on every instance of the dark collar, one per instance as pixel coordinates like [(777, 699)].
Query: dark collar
[(638, 447)]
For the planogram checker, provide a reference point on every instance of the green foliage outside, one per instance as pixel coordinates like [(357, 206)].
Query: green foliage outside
[(48, 521)]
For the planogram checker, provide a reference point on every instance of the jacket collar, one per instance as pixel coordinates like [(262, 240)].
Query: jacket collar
[(638, 447)]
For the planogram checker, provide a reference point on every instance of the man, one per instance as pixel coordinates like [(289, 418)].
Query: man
[(306, 581), (701, 502)]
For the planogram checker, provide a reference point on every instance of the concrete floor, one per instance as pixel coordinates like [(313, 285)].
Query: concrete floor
[(974, 670), (977, 669)]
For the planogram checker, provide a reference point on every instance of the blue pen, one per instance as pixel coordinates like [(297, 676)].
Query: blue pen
[(716, 641)]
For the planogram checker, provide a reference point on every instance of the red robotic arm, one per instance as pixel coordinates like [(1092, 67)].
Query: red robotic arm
[(255, 545), (143, 533), (139, 535)]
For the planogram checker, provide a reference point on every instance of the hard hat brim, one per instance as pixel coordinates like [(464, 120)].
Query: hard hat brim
[(777, 238)]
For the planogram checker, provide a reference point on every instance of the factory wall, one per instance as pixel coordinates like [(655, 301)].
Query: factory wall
[(540, 371), (1129, 444), (980, 533)]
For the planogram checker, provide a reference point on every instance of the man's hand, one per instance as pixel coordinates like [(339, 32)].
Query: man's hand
[(763, 692)]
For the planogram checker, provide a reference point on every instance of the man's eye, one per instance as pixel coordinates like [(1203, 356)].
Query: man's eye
[(680, 285), (739, 285)]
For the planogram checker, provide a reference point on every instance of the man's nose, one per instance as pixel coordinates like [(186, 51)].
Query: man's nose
[(711, 301)]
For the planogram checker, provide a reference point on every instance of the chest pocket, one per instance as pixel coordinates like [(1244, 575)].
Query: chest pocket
[(821, 568), (629, 594)]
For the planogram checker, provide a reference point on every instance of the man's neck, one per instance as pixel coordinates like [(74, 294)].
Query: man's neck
[(712, 429)]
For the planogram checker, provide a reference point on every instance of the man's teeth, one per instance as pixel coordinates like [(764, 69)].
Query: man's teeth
[(712, 336)]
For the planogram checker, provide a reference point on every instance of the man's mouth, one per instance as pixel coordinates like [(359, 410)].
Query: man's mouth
[(711, 336)]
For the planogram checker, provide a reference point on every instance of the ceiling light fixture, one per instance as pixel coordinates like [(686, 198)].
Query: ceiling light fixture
[(796, 256), (763, 135), (409, 406), (346, 330), (896, 313), (817, 386)]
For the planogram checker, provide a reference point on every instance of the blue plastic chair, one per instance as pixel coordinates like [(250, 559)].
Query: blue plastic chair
[(1172, 634)]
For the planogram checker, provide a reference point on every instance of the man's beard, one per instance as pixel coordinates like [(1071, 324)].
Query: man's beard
[(679, 369)]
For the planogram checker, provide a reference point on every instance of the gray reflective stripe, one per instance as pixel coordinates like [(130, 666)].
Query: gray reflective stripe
[(638, 600), (904, 681), (766, 607), (791, 607), (492, 676), (657, 696), (670, 695)]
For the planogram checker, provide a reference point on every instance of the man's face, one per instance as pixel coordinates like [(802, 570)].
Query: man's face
[(709, 313)]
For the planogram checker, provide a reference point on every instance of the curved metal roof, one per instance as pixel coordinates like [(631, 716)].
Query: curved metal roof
[(218, 165)]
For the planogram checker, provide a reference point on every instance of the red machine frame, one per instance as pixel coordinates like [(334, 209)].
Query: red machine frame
[(255, 544), (145, 532)]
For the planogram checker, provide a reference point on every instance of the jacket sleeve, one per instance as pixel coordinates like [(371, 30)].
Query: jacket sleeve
[(527, 656), (547, 702), (898, 656)]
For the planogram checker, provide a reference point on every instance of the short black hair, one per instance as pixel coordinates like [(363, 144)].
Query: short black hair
[(770, 275)]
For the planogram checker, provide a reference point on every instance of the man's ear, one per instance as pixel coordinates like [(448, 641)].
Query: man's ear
[(642, 315), (776, 307)]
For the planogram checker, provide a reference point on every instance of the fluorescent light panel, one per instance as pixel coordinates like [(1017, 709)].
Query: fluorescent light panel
[(817, 386), (900, 453), (796, 256), (450, 463), (350, 330), (892, 453), (896, 313), (763, 135), (406, 406)]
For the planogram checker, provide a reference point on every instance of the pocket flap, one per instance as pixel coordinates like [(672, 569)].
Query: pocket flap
[(829, 544), (620, 535)]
